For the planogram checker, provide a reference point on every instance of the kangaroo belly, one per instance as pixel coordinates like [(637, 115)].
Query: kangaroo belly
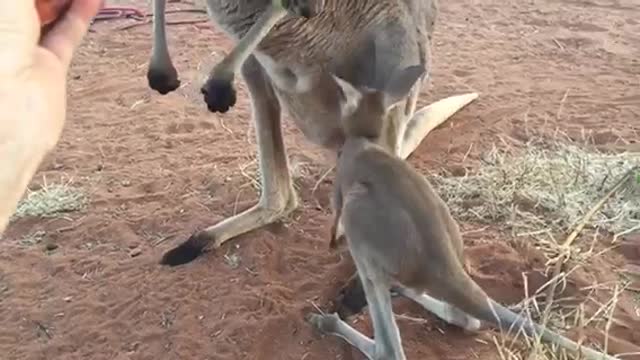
[(316, 116), (297, 49)]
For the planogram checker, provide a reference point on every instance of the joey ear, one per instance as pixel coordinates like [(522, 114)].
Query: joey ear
[(401, 83), (348, 96)]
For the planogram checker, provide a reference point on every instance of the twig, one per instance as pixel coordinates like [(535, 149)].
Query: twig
[(623, 180), (224, 126), (610, 320), (463, 233), (558, 44), (564, 98), (316, 307), (43, 328), (565, 253), (466, 155), (625, 232), (411, 319), (321, 179), (162, 239), (610, 304), (76, 223)]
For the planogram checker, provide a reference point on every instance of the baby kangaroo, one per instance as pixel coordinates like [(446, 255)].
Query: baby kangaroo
[(402, 236)]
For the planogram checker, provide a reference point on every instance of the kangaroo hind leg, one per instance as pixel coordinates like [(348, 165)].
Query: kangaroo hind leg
[(278, 196)]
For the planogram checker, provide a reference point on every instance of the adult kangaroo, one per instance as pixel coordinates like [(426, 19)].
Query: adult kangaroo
[(284, 61)]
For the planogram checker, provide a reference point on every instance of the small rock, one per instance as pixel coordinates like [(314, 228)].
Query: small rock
[(134, 347), (50, 246), (68, 299), (458, 170), (135, 252)]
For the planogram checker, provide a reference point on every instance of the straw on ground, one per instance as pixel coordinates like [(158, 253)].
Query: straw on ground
[(51, 200), (550, 188), (545, 187)]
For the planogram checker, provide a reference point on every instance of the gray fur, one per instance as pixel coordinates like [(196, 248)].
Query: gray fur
[(364, 42), (402, 236)]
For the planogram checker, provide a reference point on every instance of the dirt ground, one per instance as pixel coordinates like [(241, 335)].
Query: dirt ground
[(157, 168)]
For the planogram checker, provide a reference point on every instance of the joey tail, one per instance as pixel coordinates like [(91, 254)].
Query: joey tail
[(470, 298)]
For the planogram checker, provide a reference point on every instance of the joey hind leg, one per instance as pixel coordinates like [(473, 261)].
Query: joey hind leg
[(351, 299), (331, 324), (387, 343), (385, 330), (161, 74), (278, 197), (441, 309)]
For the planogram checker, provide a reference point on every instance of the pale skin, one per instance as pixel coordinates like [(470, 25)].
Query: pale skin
[(402, 237), (33, 82)]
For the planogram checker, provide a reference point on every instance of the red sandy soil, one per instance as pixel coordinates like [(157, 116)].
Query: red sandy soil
[(161, 167)]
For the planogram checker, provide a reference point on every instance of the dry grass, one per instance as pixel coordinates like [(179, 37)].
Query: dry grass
[(51, 200), (545, 187), (33, 238), (519, 347)]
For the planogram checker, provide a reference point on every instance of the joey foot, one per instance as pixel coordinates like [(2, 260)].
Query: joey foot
[(325, 323)]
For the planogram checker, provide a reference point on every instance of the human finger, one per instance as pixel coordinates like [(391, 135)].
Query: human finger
[(68, 32)]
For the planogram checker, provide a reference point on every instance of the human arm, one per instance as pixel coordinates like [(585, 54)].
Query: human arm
[(33, 74)]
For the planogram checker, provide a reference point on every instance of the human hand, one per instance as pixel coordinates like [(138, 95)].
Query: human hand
[(33, 89), (33, 70)]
